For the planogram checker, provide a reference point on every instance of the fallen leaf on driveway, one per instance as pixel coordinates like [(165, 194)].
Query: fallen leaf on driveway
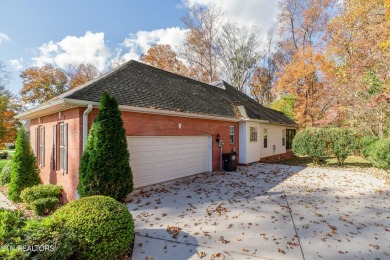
[(174, 231), (201, 254), (223, 240), (374, 246)]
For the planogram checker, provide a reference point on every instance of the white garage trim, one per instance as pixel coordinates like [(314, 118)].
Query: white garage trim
[(155, 159)]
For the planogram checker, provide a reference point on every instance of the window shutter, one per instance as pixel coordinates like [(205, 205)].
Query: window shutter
[(36, 141), (43, 146), (65, 148), (54, 147)]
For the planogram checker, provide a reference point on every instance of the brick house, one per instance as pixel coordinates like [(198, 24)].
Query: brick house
[(172, 125)]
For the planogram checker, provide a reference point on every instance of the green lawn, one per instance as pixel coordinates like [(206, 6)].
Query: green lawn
[(331, 162), (3, 163)]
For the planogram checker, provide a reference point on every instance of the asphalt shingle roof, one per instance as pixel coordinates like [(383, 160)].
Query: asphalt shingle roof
[(140, 85)]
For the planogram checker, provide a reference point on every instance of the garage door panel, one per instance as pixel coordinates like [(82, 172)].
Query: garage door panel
[(159, 159)]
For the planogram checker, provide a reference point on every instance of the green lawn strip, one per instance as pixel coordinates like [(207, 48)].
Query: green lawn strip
[(330, 162), (3, 162)]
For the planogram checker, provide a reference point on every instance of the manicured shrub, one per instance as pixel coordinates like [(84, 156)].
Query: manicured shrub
[(310, 142), (43, 199), (379, 153), (24, 171), (96, 227), (341, 143), (104, 167), (40, 191), (364, 144), (5, 175), (45, 206), (11, 224)]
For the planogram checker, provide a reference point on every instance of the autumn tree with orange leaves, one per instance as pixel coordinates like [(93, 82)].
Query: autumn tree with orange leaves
[(8, 124), (359, 41), (43, 83), (163, 57), (302, 26)]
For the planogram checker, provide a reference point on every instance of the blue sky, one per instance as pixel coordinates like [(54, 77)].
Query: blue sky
[(34, 33)]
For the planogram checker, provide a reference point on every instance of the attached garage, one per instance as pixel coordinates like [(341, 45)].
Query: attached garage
[(156, 159)]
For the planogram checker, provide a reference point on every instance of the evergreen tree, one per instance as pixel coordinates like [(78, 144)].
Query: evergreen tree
[(25, 172), (104, 167)]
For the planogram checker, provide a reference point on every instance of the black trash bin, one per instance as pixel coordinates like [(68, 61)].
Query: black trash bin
[(229, 161)]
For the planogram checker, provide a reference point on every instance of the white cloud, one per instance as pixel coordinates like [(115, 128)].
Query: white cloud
[(89, 48), (17, 64), (261, 13), (4, 37), (138, 43)]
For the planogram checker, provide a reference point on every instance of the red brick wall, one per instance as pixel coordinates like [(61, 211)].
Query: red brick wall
[(140, 124), (136, 124), (68, 180)]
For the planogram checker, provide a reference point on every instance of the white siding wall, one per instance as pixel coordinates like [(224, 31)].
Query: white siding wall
[(242, 141), (252, 148), (274, 138)]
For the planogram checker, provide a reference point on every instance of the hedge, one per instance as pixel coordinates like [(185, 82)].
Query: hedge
[(310, 142), (341, 142), (364, 144), (379, 153)]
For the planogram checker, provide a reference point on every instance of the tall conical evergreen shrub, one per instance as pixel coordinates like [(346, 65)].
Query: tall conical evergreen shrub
[(104, 167), (25, 172)]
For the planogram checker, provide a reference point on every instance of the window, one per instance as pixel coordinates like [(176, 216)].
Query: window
[(42, 146), (283, 137), (265, 137), (253, 134), (63, 146), (36, 141), (54, 147), (231, 130)]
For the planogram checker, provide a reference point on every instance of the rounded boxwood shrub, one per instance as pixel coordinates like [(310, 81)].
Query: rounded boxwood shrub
[(364, 144), (45, 206), (310, 142), (24, 172), (341, 143), (379, 153), (97, 227), (104, 166), (43, 199), (40, 191), (5, 175)]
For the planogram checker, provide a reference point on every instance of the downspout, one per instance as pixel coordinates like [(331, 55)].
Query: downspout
[(85, 125)]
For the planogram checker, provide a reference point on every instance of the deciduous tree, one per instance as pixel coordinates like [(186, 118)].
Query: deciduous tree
[(199, 47), (162, 56), (42, 84), (239, 51), (8, 124), (80, 74)]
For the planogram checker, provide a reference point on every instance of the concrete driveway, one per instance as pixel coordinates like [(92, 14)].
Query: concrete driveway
[(264, 212)]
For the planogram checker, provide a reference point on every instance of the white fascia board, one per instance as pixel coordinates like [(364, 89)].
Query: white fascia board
[(267, 122), (43, 110)]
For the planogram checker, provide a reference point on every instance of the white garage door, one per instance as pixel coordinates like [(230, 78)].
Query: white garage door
[(157, 159)]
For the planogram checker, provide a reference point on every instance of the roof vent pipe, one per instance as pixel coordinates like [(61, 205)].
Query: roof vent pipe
[(85, 125)]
